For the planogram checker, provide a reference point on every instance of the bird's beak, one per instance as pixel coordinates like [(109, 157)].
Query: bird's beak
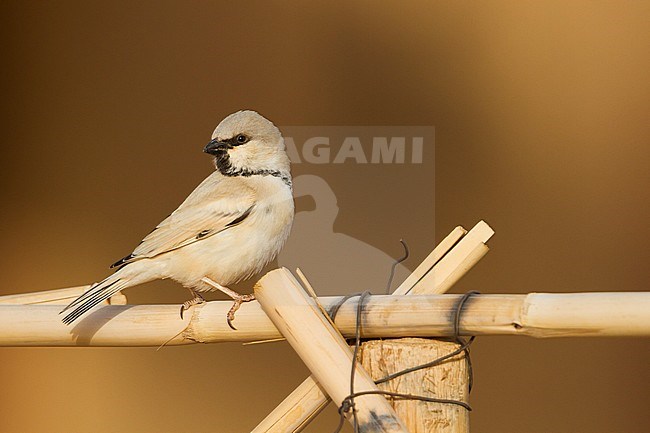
[(215, 146)]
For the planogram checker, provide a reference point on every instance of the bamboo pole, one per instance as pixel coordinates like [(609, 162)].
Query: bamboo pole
[(461, 251), (57, 297), (297, 410), (448, 381), (453, 265), (603, 314), (430, 261), (46, 297), (324, 350)]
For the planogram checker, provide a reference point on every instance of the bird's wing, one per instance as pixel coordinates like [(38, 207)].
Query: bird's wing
[(212, 207)]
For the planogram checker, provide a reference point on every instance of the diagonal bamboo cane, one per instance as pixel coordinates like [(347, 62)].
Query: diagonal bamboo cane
[(323, 349)]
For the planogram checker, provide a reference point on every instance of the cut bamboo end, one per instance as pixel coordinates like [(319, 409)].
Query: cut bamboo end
[(457, 262), (429, 262), (118, 299), (323, 350)]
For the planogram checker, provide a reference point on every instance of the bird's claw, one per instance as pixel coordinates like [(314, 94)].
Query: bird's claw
[(198, 299), (235, 306), (229, 321)]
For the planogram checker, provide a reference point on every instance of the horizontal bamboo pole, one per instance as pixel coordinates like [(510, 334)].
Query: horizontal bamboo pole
[(602, 314), (324, 351)]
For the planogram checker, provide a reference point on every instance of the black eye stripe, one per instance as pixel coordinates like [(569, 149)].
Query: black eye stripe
[(237, 140)]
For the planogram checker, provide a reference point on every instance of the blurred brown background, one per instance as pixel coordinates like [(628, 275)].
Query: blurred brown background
[(541, 117)]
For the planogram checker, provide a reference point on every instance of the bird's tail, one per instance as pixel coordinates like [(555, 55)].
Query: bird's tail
[(97, 293)]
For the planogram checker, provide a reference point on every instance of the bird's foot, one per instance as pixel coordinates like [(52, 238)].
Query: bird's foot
[(196, 300), (238, 298)]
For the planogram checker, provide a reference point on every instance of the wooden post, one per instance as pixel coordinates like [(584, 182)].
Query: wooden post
[(448, 380), (324, 350)]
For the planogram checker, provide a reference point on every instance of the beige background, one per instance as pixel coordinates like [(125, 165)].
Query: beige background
[(541, 116)]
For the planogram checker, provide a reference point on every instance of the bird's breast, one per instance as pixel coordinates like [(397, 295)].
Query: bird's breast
[(243, 250)]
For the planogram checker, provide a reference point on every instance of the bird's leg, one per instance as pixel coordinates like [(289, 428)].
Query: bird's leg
[(237, 297), (196, 300)]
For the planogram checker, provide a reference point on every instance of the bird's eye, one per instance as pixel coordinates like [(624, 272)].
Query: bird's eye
[(241, 139)]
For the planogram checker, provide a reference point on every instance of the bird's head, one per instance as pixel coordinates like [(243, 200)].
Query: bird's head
[(245, 140)]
